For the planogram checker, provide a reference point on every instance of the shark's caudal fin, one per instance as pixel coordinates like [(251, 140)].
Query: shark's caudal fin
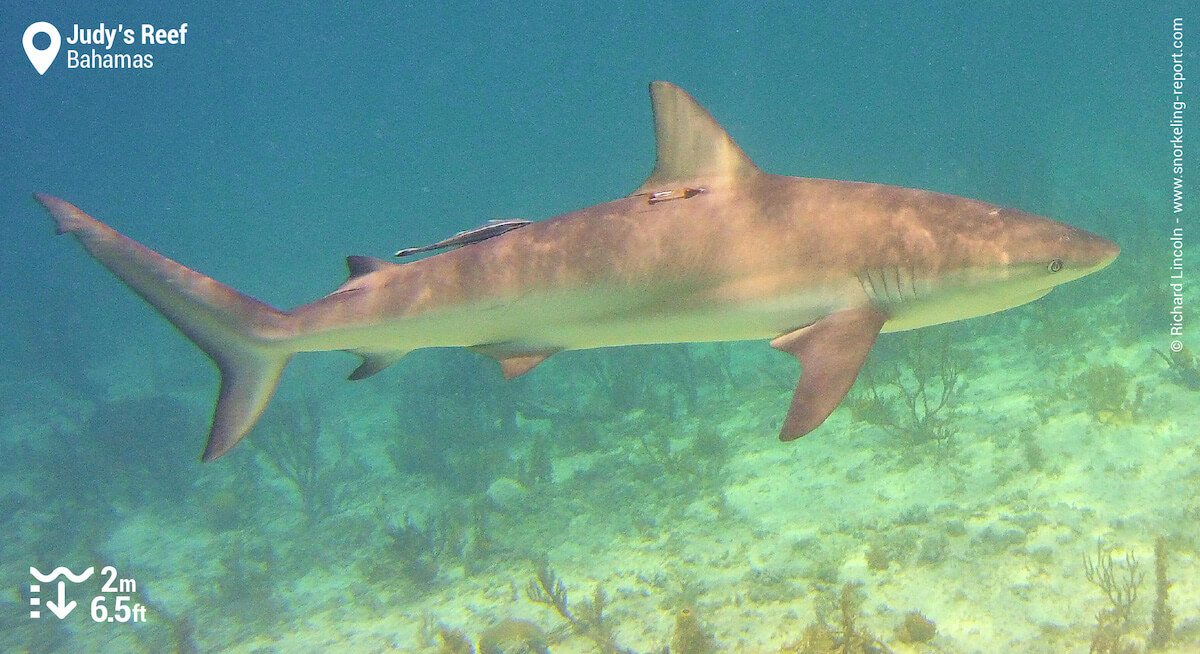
[(246, 338)]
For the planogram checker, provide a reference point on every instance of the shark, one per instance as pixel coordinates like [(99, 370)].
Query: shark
[(709, 248)]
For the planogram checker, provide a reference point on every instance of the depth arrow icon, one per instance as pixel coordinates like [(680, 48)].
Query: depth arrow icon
[(62, 608)]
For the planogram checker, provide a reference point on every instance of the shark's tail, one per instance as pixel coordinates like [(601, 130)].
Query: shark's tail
[(247, 339)]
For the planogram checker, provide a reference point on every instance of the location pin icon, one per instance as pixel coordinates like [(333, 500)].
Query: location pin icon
[(41, 59)]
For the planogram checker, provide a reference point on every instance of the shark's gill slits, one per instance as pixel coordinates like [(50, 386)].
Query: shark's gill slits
[(909, 275), (880, 276), (896, 287), (868, 285), (889, 285)]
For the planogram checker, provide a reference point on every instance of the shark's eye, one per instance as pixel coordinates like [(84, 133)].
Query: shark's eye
[(1054, 266)]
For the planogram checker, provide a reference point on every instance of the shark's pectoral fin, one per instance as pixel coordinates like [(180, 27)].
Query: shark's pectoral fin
[(515, 360), (373, 362), (831, 352)]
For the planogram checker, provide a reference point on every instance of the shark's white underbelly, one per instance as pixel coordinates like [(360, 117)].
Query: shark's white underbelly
[(588, 318)]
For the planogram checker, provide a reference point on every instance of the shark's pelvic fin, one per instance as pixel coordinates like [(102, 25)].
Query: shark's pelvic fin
[(374, 362), (831, 352), (246, 338), (692, 146)]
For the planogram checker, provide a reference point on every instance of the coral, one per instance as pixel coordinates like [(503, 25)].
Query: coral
[(701, 465), (846, 638), (690, 637), (1120, 589), (1162, 620), (421, 548), (1183, 367), (916, 628), (994, 539), (1035, 456), (1113, 624), (818, 638), (934, 549), (631, 383), (416, 547), (513, 636), (546, 588), (249, 572), (178, 635), (912, 395), (1105, 392), (183, 634), (877, 556), (849, 602), (292, 448), (454, 641), (765, 585), (460, 434), (127, 450), (536, 467), (588, 620)]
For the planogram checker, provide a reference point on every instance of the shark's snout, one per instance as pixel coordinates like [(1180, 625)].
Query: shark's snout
[(1083, 253), (1109, 251), (1096, 252)]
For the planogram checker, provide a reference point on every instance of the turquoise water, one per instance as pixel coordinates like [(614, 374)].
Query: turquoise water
[(393, 513)]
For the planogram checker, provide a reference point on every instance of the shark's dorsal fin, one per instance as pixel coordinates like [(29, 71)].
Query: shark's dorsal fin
[(692, 146)]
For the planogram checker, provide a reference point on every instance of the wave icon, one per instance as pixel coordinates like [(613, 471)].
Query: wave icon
[(60, 570)]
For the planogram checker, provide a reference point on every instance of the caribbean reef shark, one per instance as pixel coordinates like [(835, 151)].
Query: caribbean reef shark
[(709, 248)]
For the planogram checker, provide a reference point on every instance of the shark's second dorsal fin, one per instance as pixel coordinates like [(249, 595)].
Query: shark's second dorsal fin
[(360, 265), (692, 146)]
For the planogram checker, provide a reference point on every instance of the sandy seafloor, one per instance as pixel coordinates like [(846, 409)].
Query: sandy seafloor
[(985, 536)]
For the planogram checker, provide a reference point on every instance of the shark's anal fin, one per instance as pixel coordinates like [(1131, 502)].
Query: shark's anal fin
[(513, 367), (514, 361), (831, 353)]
